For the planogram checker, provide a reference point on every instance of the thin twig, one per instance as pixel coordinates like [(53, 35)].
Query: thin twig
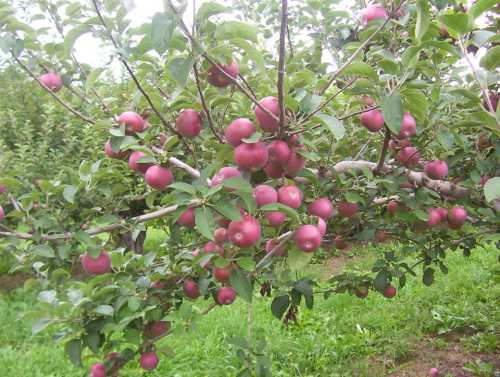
[(283, 239), (358, 50), (383, 151), (290, 45), (55, 96), (281, 63), (204, 104)]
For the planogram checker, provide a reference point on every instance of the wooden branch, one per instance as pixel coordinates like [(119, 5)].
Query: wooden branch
[(204, 105), (54, 95), (383, 151), (283, 238), (359, 49), (281, 63)]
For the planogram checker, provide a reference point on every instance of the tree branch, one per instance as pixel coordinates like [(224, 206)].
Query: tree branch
[(55, 96), (281, 62), (383, 151), (204, 105), (283, 239), (178, 163)]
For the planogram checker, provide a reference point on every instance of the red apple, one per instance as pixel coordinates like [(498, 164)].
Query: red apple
[(265, 194), (108, 151), (98, 370), (133, 122), (392, 207), (149, 360), (347, 209), (321, 207), (211, 247), (279, 152), (340, 243), (434, 372), (321, 226), (267, 123), (220, 235), (158, 177), (239, 129), (381, 235), (373, 120), (188, 123), (133, 163), (216, 75), (361, 291), (96, 266), (244, 232), (308, 238), (434, 217), (52, 81), (187, 218), (252, 156), (275, 218), (389, 291), (408, 157), (373, 12), (156, 329), (443, 213), (436, 169), (223, 174), (221, 274), (457, 217), (408, 126), (191, 289), (273, 170), (290, 196), (226, 295), (294, 164), (271, 244), (2, 213)]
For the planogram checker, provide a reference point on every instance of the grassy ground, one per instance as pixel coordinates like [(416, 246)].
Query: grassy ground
[(343, 336)]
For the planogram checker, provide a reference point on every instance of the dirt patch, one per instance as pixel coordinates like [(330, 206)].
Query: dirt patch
[(9, 282), (450, 361)]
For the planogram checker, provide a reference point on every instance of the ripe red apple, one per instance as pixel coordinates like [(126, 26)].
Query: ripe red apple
[(373, 120), (321, 226), (252, 156), (381, 235), (294, 164), (434, 217), (392, 206), (267, 123), (52, 81), (3, 189), (2, 213), (275, 218), (494, 97), (223, 174), (162, 138), (443, 213), (389, 291), (373, 12), (239, 129), (217, 78), (294, 140), (98, 370), (434, 372), (321, 207), (408, 126), (244, 232), (137, 166), (96, 266), (340, 243), (265, 194), (361, 291), (191, 289), (187, 218), (211, 247), (271, 244), (273, 170), (220, 235), (308, 238), (188, 123), (108, 151), (133, 122), (156, 329), (149, 360), (158, 285), (408, 156), (347, 209), (158, 177), (290, 196), (226, 295), (279, 152), (457, 217), (221, 274), (436, 169)]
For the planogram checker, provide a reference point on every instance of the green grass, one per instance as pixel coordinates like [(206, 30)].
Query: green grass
[(339, 337)]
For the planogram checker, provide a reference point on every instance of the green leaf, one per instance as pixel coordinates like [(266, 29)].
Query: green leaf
[(392, 109), (162, 29), (421, 215), (204, 222), (492, 189), (236, 29), (44, 251), (184, 187), (479, 7), (229, 210), (241, 283), (92, 77), (423, 19), (280, 305), (253, 53), (239, 184), (416, 103), (179, 69), (381, 280), (105, 310), (207, 10), (360, 69), (74, 34), (298, 259), (73, 349), (147, 160), (459, 22), (305, 288), (133, 303), (40, 325), (93, 341), (333, 125), (491, 60), (428, 277), (69, 193)]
